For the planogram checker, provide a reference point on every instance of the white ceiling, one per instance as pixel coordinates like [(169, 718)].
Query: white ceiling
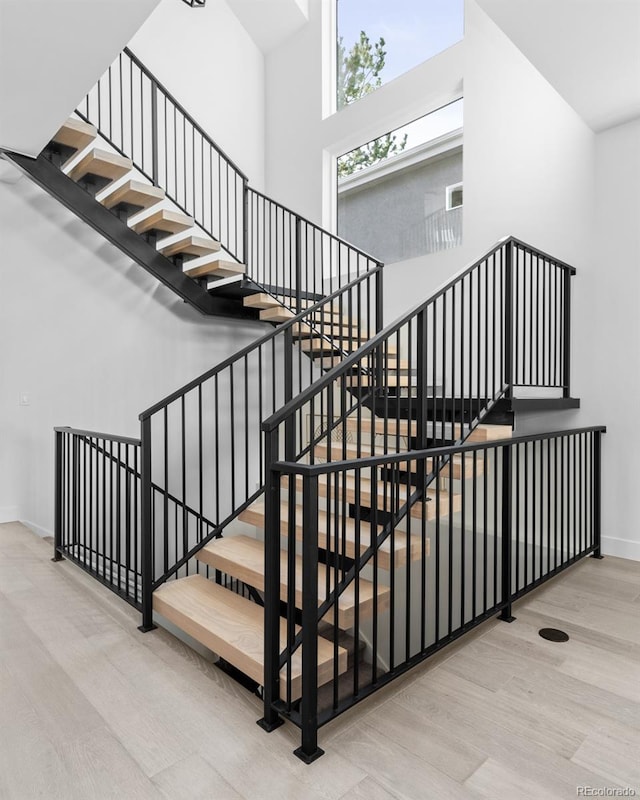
[(588, 50), (51, 53), (270, 22)]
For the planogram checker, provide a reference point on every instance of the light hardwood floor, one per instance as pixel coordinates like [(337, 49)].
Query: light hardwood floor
[(91, 708)]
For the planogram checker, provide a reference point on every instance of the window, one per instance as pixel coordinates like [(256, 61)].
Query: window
[(454, 196), (400, 195), (378, 40)]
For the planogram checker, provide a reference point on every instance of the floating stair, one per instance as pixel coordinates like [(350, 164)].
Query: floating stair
[(261, 300), (213, 264), (460, 468), (346, 534), (390, 495), (320, 346), (392, 427), (133, 196), (390, 380), (73, 137), (391, 362), (281, 314), (243, 558), (98, 168), (189, 245), (233, 628), (163, 222)]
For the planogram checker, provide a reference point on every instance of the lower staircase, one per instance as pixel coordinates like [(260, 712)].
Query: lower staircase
[(232, 626)]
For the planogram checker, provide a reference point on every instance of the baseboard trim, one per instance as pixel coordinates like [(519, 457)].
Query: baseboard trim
[(9, 514), (37, 529), (621, 548)]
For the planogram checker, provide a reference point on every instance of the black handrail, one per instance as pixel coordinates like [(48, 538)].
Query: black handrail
[(298, 468), (95, 435)]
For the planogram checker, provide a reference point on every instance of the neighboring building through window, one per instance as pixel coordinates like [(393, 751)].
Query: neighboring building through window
[(454, 196), (379, 40), (409, 202)]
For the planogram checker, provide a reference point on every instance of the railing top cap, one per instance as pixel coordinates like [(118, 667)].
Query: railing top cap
[(366, 462)]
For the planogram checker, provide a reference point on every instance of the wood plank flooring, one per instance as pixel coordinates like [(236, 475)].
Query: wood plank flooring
[(90, 708)]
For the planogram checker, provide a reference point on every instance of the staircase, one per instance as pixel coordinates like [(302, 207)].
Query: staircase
[(337, 501)]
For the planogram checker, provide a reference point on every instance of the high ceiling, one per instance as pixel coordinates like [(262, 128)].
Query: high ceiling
[(270, 22), (588, 50)]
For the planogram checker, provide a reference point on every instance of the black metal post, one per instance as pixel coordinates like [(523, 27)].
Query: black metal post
[(379, 304), (154, 133), (508, 377), (422, 380), (245, 222), (289, 426), (271, 720), (566, 336), (298, 287), (146, 531), (597, 495), (309, 750), (507, 533), (59, 503)]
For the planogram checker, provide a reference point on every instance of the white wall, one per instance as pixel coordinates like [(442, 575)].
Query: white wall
[(92, 338), (211, 65), (611, 378), (51, 54)]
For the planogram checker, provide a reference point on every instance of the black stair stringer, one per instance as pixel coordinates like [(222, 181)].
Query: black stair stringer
[(83, 205)]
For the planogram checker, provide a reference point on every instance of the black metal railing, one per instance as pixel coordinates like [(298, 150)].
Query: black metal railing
[(202, 447), (143, 121), (293, 258), (407, 577), (98, 508), (436, 372), (288, 256)]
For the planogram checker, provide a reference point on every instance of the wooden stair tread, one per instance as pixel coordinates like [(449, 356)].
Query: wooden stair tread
[(276, 313), (481, 433), (280, 313), (389, 494), (134, 193), (325, 345), (347, 531), (101, 163), (261, 300), (379, 425), (391, 361), (243, 558), (190, 245), (213, 264), (233, 627), (338, 330), (164, 220), (351, 451), (75, 133), (390, 380)]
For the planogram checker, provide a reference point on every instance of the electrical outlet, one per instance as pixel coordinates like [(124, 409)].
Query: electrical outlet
[(24, 399)]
